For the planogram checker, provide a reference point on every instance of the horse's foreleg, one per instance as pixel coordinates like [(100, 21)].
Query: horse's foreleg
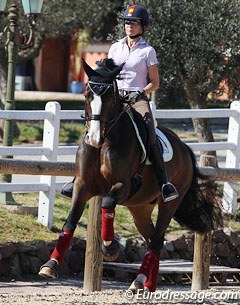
[(50, 269), (110, 247)]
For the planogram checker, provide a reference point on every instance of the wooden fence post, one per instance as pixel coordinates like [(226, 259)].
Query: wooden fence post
[(202, 246), (93, 261)]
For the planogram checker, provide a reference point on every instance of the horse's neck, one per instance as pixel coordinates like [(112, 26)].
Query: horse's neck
[(118, 107)]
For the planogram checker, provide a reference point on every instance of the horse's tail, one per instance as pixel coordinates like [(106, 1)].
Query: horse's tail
[(199, 210)]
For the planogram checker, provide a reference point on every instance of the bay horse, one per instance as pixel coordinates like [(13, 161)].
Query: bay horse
[(109, 163)]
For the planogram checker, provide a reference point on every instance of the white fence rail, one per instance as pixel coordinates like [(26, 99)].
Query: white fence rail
[(51, 149)]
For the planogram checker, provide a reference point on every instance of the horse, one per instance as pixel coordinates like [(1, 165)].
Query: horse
[(110, 162)]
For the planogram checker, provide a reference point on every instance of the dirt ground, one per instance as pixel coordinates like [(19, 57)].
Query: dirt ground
[(70, 292)]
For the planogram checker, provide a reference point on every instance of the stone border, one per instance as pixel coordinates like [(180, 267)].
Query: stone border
[(18, 260)]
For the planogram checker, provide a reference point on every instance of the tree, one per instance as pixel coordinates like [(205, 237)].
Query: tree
[(60, 18), (198, 45)]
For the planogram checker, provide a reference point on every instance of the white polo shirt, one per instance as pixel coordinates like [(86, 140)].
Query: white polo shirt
[(137, 61)]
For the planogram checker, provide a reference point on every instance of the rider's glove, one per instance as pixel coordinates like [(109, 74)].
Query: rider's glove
[(136, 95)]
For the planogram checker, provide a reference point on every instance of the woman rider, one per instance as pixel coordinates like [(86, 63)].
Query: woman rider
[(138, 78)]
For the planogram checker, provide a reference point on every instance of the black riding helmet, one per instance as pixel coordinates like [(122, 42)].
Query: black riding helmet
[(137, 12)]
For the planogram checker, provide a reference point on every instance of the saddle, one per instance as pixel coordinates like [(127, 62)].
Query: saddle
[(142, 136)]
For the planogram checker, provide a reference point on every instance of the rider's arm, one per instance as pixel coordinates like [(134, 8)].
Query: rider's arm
[(153, 77)]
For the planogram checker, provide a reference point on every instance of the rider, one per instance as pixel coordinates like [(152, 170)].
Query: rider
[(140, 65)]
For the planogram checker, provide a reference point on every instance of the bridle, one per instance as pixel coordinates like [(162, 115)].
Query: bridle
[(103, 104), (100, 89)]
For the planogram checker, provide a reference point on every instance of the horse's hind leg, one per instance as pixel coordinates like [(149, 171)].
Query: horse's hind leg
[(143, 220), (80, 196)]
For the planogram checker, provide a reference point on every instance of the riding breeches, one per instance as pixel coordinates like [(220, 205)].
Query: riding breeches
[(142, 106)]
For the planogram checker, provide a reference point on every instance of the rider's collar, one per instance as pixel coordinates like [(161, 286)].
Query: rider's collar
[(140, 41)]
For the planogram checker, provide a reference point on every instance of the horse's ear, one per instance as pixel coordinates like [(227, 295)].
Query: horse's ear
[(116, 71), (89, 71)]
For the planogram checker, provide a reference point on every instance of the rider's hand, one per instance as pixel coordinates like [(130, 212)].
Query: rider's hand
[(136, 95)]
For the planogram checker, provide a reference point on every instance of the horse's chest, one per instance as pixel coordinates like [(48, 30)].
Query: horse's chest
[(111, 162)]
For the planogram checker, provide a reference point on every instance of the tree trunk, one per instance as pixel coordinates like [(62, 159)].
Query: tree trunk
[(201, 126)]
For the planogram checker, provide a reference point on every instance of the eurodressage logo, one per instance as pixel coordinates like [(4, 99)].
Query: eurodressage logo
[(196, 296)]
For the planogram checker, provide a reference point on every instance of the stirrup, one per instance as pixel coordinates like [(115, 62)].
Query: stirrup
[(169, 192), (67, 190)]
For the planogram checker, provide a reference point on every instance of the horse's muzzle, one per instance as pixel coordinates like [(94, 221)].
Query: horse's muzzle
[(96, 142)]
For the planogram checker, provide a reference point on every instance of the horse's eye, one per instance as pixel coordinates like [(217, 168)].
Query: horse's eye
[(88, 94)]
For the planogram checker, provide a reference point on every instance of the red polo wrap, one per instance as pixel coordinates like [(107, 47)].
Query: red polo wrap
[(62, 246), (107, 224)]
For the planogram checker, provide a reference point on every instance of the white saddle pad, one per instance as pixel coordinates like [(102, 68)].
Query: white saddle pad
[(167, 147)]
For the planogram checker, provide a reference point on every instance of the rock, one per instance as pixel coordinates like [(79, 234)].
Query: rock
[(29, 263), (18, 259), (168, 246), (7, 250), (135, 249), (221, 249), (64, 269), (179, 244), (233, 259), (78, 244), (122, 247), (43, 252), (15, 270), (219, 236), (5, 265), (164, 254), (190, 245), (23, 248), (76, 260), (234, 241)]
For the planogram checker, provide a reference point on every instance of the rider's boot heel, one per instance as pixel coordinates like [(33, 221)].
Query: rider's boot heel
[(67, 189), (168, 190)]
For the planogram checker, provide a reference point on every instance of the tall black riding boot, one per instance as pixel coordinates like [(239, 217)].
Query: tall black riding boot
[(67, 189), (168, 190)]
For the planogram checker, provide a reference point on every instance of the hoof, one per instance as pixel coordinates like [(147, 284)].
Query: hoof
[(136, 285), (111, 252), (49, 270)]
